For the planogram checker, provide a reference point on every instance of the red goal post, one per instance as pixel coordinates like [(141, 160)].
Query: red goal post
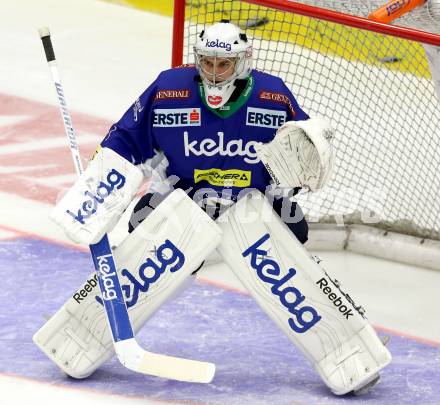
[(373, 81)]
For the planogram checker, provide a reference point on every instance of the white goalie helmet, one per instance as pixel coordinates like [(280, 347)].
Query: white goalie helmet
[(222, 55)]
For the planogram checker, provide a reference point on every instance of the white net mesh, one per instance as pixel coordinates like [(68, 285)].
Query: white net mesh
[(378, 93), (426, 17)]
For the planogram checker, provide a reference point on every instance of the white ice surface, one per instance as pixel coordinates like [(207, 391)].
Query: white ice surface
[(107, 55)]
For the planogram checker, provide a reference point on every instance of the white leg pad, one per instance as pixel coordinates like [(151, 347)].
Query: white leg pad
[(299, 296), (154, 263)]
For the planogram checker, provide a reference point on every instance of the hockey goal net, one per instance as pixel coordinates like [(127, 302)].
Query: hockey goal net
[(373, 81)]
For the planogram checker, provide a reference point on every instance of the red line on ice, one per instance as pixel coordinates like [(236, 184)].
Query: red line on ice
[(27, 164)]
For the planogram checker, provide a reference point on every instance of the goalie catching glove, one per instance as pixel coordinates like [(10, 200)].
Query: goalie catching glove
[(300, 155), (94, 204)]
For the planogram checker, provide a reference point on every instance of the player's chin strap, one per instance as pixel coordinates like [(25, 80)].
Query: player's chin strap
[(301, 298)]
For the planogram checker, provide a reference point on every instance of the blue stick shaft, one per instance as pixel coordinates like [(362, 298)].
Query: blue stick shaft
[(112, 296), (103, 261)]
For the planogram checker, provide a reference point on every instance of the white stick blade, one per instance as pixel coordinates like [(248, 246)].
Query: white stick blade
[(176, 368)]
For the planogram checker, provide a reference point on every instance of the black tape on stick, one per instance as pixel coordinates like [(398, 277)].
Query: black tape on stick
[(47, 43)]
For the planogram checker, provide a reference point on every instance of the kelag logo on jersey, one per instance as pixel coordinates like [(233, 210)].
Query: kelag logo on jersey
[(178, 117), (259, 117), (268, 270), (211, 147), (224, 178)]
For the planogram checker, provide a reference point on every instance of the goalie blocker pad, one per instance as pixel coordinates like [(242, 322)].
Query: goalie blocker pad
[(299, 296), (154, 262), (94, 204)]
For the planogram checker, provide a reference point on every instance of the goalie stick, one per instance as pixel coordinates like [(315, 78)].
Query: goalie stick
[(128, 351)]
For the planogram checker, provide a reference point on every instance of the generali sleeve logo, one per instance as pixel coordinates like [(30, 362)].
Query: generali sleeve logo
[(278, 98), (172, 94)]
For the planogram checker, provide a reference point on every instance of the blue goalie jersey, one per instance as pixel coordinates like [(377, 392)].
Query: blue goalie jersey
[(205, 148)]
